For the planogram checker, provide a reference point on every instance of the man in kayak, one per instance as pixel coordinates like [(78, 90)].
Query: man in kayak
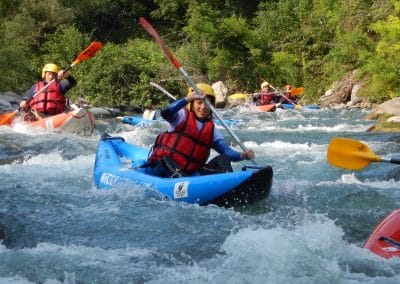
[(50, 101), (191, 135)]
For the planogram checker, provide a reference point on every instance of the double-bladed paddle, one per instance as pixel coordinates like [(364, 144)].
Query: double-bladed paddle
[(286, 98), (353, 155), (88, 52), (149, 28)]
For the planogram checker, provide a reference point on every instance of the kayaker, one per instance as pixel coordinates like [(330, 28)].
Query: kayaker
[(288, 94), (191, 135), (51, 101), (266, 95), (266, 88)]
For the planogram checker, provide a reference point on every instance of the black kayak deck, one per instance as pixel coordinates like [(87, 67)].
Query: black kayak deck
[(255, 188)]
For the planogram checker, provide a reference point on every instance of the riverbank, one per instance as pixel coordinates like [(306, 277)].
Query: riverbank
[(387, 114)]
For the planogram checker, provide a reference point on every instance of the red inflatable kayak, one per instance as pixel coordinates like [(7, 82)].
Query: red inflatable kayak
[(76, 120), (266, 108), (385, 239)]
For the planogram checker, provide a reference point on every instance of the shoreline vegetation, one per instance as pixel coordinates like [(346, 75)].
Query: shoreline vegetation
[(314, 43), (344, 56)]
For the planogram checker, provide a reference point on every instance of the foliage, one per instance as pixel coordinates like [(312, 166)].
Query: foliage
[(309, 43), (383, 63), (120, 74), (285, 68), (13, 61), (109, 20)]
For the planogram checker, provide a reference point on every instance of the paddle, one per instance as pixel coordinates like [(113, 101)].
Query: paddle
[(149, 28), (297, 91), (163, 90), (293, 91), (286, 98), (352, 154), (88, 52), (7, 118)]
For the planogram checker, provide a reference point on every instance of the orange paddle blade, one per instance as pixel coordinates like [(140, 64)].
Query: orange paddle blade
[(350, 154), (7, 118), (149, 28), (297, 91), (89, 52)]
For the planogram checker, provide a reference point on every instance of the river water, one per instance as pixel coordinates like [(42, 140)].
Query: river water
[(60, 229)]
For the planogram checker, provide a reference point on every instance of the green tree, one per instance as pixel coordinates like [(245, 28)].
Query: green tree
[(227, 46), (21, 37), (110, 20), (120, 75), (382, 64)]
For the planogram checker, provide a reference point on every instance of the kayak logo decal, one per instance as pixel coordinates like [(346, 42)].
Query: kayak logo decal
[(390, 249), (181, 189), (110, 179)]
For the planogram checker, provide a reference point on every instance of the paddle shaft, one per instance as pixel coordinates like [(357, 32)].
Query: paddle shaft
[(208, 103), (390, 160), (163, 90), (286, 98)]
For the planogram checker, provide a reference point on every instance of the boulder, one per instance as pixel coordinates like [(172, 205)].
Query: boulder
[(395, 119), (340, 92), (105, 112), (353, 97), (344, 92), (391, 107), (9, 101), (221, 91)]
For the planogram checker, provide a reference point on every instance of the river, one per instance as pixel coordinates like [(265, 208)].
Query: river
[(60, 229)]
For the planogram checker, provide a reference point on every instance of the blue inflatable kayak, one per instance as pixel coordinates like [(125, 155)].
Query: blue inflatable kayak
[(118, 162), (139, 121), (136, 120), (291, 106)]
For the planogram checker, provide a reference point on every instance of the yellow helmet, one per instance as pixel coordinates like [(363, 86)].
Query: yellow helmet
[(264, 84), (208, 90), (49, 67)]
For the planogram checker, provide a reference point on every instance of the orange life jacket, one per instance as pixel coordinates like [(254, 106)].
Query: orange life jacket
[(51, 101), (186, 145)]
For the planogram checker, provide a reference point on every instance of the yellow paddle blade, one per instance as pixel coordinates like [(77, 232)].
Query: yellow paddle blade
[(7, 118), (350, 154), (238, 96)]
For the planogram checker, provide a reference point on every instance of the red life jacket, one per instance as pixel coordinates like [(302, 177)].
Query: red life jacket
[(186, 145), (264, 99), (51, 101)]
